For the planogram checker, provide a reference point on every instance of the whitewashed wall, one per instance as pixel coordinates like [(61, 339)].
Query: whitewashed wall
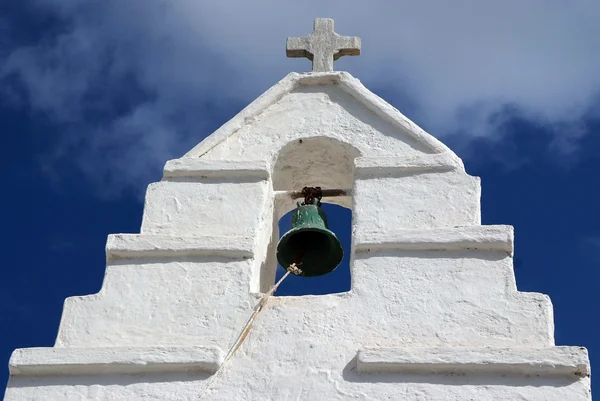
[(433, 313)]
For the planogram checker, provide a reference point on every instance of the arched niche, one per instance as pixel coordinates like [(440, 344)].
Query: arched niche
[(308, 162), (313, 162)]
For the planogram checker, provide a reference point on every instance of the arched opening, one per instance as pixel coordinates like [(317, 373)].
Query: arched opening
[(312, 162), (318, 161), (340, 222)]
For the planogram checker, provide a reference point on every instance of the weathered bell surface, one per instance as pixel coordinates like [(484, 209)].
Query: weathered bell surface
[(310, 244)]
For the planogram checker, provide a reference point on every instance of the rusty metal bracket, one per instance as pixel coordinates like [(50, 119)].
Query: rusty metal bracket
[(310, 193)]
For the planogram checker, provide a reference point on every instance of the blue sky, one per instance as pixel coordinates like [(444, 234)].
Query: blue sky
[(96, 96)]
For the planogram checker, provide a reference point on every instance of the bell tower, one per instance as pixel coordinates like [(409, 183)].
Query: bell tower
[(187, 310)]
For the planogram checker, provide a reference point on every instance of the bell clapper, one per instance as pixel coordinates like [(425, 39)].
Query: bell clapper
[(294, 269)]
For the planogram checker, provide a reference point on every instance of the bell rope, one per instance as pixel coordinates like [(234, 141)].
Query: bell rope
[(292, 269)]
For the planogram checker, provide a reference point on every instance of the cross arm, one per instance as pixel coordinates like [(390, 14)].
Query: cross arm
[(347, 46), (297, 47)]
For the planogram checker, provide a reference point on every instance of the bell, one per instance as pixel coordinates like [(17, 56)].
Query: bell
[(309, 243)]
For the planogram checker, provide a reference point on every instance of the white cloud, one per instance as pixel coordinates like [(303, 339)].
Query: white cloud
[(456, 62)]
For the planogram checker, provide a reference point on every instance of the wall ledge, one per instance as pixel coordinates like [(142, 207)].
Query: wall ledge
[(203, 169), (133, 246), (346, 82), (117, 360), (373, 167), (561, 361), (493, 238)]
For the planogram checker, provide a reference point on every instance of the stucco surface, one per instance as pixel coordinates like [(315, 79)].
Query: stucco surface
[(433, 312), (208, 207), (430, 200), (311, 111), (468, 297)]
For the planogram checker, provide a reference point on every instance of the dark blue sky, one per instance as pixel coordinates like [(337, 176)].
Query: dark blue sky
[(57, 215)]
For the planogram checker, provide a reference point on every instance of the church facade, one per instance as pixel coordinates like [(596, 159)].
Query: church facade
[(433, 312)]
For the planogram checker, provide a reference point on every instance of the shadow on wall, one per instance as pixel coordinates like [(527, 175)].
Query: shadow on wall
[(340, 222)]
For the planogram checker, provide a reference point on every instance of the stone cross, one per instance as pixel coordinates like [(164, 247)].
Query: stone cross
[(323, 46)]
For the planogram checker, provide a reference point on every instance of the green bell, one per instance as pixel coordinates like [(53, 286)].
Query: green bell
[(310, 244)]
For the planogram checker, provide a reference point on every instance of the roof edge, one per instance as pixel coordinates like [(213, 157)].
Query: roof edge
[(271, 96), (347, 83), (386, 111)]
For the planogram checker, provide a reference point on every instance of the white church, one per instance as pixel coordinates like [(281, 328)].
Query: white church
[(189, 310)]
